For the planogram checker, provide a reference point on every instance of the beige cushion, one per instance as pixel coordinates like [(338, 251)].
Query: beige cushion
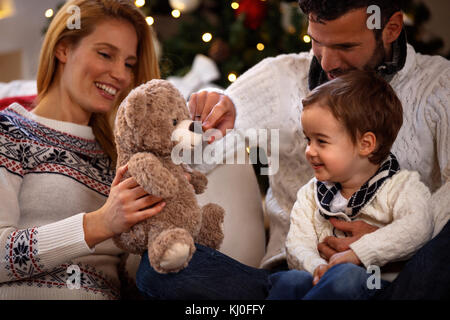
[(235, 188)]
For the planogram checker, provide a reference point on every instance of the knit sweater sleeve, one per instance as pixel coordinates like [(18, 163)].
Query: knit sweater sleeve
[(261, 93), (440, 206), (438, 120), (302, 240), (29, 251), (254, 95), (407, 199)]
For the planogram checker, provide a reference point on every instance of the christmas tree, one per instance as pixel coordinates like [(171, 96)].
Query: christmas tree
[(235, 34)]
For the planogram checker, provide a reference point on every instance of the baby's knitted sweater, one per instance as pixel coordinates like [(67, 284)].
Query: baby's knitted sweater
[(269, 96), (399, 208), (51, 173)]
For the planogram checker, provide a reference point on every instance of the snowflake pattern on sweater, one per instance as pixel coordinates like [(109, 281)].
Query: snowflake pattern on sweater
[(58, 277), (24, 267), (29, 147), (21, 249)]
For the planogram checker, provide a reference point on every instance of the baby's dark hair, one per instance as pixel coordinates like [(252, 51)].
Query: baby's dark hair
[(363, 102)]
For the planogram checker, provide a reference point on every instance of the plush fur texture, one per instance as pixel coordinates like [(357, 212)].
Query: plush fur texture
[(144, 125)]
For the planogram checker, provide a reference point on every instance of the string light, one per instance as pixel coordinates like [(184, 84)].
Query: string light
[(232, 77), (7, 8), (150, 20), (234, 5), (260, 46), (176, 13), (49, 13), (139, 3), (306, 39), (206, 37)]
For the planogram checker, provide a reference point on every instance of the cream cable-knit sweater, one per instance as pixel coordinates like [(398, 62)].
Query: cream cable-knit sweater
[(399, 209), (269, 96), (51, 172)]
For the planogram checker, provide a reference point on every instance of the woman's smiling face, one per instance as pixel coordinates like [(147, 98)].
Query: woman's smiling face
[(100, 67)]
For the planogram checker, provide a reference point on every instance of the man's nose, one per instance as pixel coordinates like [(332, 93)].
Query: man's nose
[(330, 60)]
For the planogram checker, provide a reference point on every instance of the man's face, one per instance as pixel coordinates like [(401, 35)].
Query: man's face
[(345, 43)]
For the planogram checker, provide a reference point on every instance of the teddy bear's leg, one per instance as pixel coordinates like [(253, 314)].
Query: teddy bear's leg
[(134, 241), (171, 250), (211, 232)]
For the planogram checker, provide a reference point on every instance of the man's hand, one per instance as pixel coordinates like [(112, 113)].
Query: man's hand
[(213, 109), (347, 256), (332, 245)]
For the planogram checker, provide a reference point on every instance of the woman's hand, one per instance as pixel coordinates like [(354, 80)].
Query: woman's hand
[(123, 209)]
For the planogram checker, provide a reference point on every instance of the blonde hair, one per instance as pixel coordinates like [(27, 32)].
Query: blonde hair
[(92, 12)]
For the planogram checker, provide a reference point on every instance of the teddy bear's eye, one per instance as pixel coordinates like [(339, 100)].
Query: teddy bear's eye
[(175, 121)]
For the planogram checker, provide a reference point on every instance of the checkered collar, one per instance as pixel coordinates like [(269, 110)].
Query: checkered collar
[(326, 190)]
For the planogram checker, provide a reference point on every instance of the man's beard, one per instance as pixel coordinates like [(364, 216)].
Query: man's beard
[(377, 58)]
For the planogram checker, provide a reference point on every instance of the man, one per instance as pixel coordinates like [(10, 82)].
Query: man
[(269, 96)]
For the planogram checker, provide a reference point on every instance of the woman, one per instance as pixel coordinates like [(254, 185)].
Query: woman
[(60, 205)]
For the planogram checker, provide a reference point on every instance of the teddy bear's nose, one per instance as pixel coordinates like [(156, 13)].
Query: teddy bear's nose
[(195, 127)]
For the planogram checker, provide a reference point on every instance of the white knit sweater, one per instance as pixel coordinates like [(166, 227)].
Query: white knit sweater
[(269, 96), (399, 208), (51, 173)]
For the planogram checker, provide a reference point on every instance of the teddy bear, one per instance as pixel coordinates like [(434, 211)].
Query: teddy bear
[(145, 127)]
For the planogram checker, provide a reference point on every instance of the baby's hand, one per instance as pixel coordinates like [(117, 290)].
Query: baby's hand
[(347, 256), (319, 272)]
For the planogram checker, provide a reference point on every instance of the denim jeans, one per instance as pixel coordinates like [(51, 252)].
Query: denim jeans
[(213, 275), (209, 275), (341, 282), (426, 276)]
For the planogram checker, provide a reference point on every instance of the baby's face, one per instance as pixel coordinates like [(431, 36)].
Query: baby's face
[(330, 150)]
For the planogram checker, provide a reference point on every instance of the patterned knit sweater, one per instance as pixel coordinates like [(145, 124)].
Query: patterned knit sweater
[(51, 173), (269, 96)]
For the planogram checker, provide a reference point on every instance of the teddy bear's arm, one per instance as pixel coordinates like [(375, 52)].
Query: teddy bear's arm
[(198, 179), (151, 175)]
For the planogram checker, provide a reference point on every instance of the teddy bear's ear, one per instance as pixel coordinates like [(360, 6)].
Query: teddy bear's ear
[(134, 106)]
